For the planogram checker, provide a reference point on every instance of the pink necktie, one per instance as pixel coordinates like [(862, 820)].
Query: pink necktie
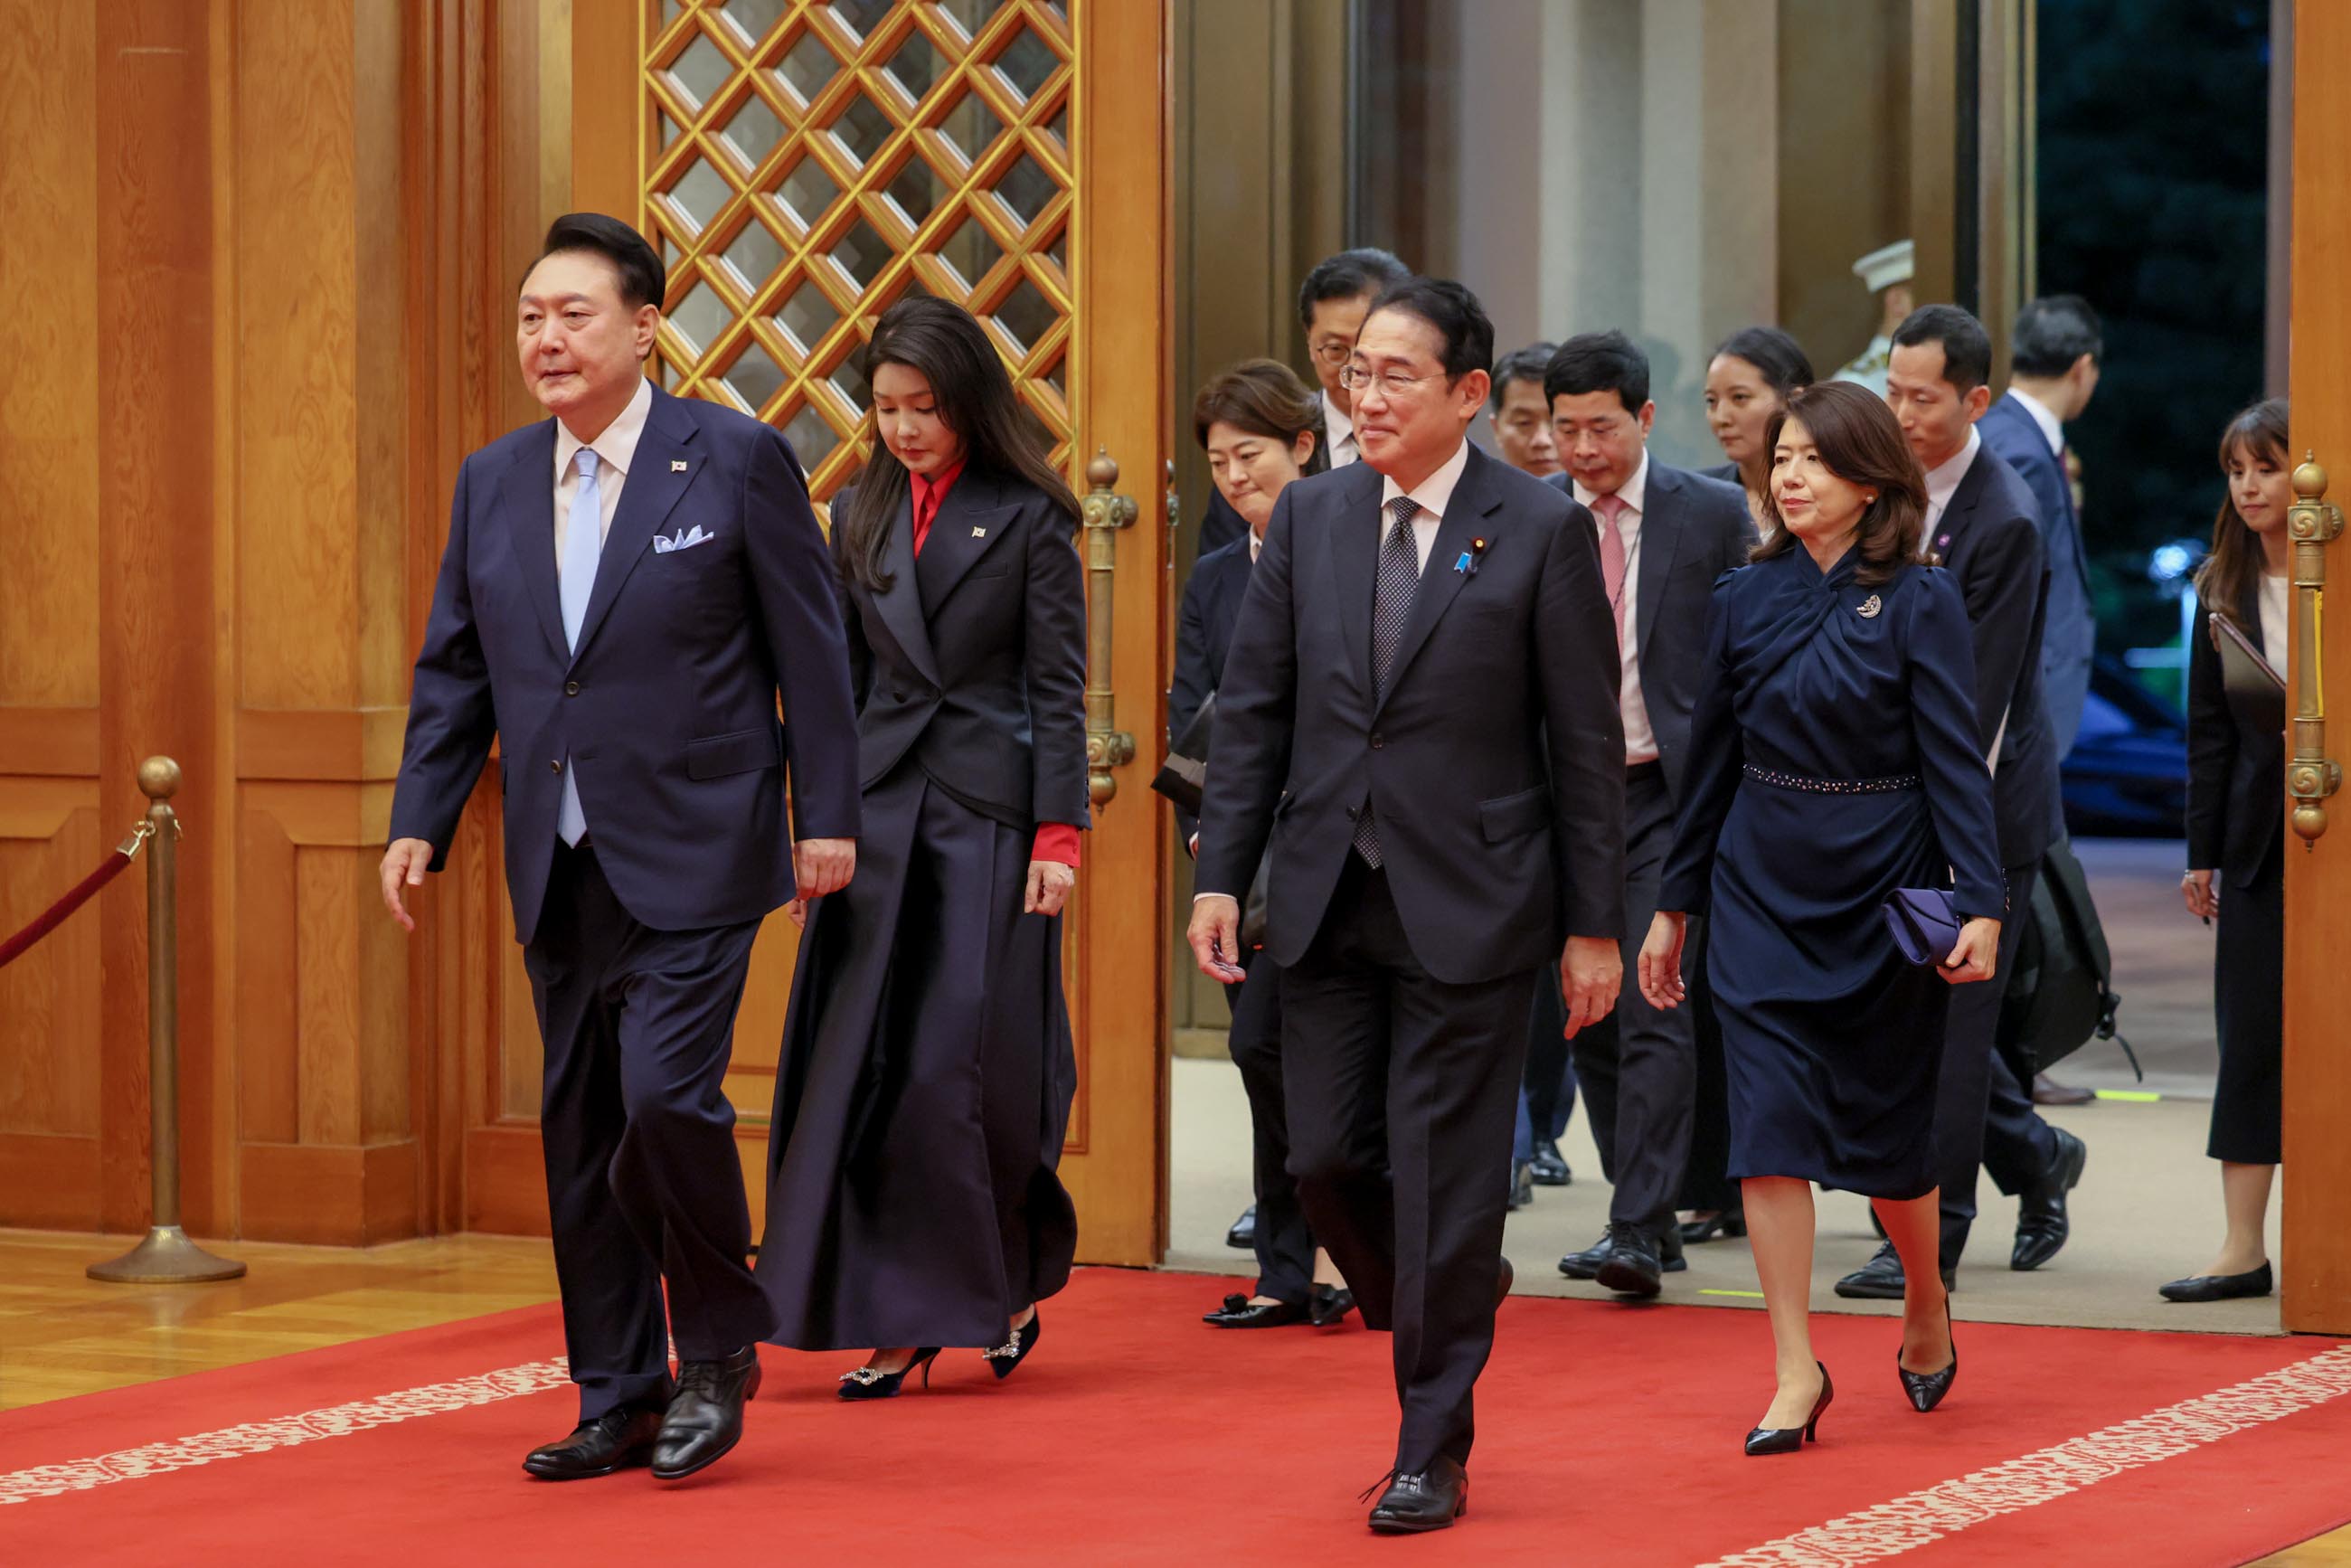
[(1612, 554)]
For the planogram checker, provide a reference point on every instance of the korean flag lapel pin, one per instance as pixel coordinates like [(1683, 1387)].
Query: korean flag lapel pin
[(677, 464)]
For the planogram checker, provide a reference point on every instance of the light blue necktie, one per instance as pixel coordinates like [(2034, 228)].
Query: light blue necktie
[(584, 541)]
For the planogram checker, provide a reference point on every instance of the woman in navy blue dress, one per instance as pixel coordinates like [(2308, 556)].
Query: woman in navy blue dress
[(1832, 760)]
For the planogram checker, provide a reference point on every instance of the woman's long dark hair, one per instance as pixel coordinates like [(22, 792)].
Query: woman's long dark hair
[(1860, 442), (2238, 560), (975, 400)]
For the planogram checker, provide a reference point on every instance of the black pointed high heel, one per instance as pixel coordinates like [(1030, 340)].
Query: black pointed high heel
[(1727, 1222), (1765, 1440), (1926, 1389), (867, 1383), (1005, 1358)]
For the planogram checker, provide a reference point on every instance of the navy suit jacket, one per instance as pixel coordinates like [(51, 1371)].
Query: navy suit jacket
[(1493, 762), (2070, 640), (1693, 529), (667, 711), (1990, 539), (1204, 631)]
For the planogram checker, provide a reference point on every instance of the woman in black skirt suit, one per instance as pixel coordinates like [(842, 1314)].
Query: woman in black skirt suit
[(927, 1071), (1833, 759), (2236, 827)]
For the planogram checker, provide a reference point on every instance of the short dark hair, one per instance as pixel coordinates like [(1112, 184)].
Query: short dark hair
[(1263, 397), (644, 279), (1967, 347), (1778, 357), (2052, 332), (1453, 310), (1525, 365), (1599, 361), (1861, 443), (1348, 275)]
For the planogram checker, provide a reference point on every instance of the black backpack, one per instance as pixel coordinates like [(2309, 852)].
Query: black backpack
[(2060, 993)]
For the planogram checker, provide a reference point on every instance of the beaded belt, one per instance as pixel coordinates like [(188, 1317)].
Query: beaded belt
[(1831, 786)]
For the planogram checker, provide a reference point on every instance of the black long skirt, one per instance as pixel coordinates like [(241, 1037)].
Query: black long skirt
[(2249, 999), (923, 1092)]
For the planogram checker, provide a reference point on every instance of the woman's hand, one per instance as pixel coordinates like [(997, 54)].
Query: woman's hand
[(1977, 955), (2195, 889), (1049, 887), (1661, 960)]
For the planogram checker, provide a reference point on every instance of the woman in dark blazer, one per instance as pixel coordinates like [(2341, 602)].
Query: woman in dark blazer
[(927, 1070), (2236, 828)]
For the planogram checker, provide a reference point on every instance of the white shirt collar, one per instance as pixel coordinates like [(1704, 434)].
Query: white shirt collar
[(1257, 543), (1337, 427), (616, 448), (1434, 493), (1943, 480), (2053, 429), (1633, 491)]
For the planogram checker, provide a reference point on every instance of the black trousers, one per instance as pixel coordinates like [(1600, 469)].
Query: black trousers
[(1984, 1118), (1285, 1242), (1371, 1039), (643, 1184), (1640, 1079)]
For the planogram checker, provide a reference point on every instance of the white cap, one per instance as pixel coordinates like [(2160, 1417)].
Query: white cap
[(1882, 269)]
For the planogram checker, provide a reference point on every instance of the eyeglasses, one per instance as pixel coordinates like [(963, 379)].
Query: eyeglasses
[(1333, 352), (1356, 378)]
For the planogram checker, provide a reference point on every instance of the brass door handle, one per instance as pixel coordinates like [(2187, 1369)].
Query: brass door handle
[(1103, 512), (2311, 522)]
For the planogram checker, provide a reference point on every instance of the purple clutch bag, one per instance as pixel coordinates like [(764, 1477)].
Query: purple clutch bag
[(1924, 923)]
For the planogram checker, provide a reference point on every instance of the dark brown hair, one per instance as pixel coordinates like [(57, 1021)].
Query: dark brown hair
[(2235, 564), (1860, 443), (1265, 398)]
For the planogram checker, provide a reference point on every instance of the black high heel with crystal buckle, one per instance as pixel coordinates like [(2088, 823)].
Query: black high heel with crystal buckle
[(1005, 1358), (867, 1383), (1765, 1440), (1926, 1389)]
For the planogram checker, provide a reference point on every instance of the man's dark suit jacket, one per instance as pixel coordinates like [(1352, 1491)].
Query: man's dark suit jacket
[(1990, 539), (1204, 631), (2236, 769), (1693, 529), (1495, 763), (2070, 640), (973, 661), (667, 711)]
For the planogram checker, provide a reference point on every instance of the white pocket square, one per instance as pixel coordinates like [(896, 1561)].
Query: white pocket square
[(684, 538)]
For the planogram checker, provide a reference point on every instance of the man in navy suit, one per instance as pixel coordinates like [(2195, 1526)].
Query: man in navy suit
[(1666, 535), (626, 589), (2054, 352), (1983, 526)]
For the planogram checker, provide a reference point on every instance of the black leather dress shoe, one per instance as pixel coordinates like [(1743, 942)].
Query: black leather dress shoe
[(1504, 1277), (1880, 1279), (1242, 1237), (1631, 1267), (1329, 1305), (705, 1415), (1429, 1499), (1585, 1265), (2220, 1286), (2042, 1226), (1522, 1184), (1240, 1312), (1550, 1165), (617, 1440)]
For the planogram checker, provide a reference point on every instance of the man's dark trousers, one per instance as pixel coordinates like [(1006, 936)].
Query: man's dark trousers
[(643, 1181), (1982, 1116), (1369, 1037)]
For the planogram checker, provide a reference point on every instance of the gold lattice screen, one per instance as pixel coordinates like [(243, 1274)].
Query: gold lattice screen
[(806, 162)]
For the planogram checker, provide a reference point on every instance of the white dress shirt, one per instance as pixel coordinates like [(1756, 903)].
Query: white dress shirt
[(615, 449), (1943, 482), (2273, 634), (1340, 430), (2053, 429), (1640, 740), (1434, 494)]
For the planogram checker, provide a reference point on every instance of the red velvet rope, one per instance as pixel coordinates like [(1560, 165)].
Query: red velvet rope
[(54, 915)]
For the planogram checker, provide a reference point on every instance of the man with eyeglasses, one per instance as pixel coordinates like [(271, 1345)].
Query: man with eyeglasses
[(1419, 715)]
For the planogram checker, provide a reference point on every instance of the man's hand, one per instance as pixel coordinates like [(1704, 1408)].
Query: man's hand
[(1049, 887), (1216, 937), (1661, 960), (824, 865), (404, 865), (1589, 972)]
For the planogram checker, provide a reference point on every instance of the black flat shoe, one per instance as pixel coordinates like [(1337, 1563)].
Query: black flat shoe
[(1549, 1166), (1242, 1237), (1240, 1312), (1767, 1441), (704, 1419), (1926, 1389), (1880, 1279), (865, 1382), (1331, 1306), (617, 1440), (1727, 1222), (2220, 1286), (1429, 1499), (1006, 1357)]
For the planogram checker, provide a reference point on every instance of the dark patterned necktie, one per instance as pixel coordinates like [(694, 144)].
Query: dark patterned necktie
[(1391, 595)]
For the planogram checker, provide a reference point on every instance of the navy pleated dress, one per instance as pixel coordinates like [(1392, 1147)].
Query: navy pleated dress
[(1834, 756)]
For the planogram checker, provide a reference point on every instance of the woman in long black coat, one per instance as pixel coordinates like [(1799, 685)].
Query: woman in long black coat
[(927, 1071), (1834, 758), (2236, 827)]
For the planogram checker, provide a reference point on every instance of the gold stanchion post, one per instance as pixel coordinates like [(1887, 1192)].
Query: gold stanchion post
[(166, 1256)]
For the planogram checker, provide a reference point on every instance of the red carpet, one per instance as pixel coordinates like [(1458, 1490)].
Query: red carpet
[(1136, 1435)]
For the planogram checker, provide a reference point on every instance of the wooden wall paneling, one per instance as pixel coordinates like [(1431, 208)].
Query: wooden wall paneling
[(49, 1012)]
